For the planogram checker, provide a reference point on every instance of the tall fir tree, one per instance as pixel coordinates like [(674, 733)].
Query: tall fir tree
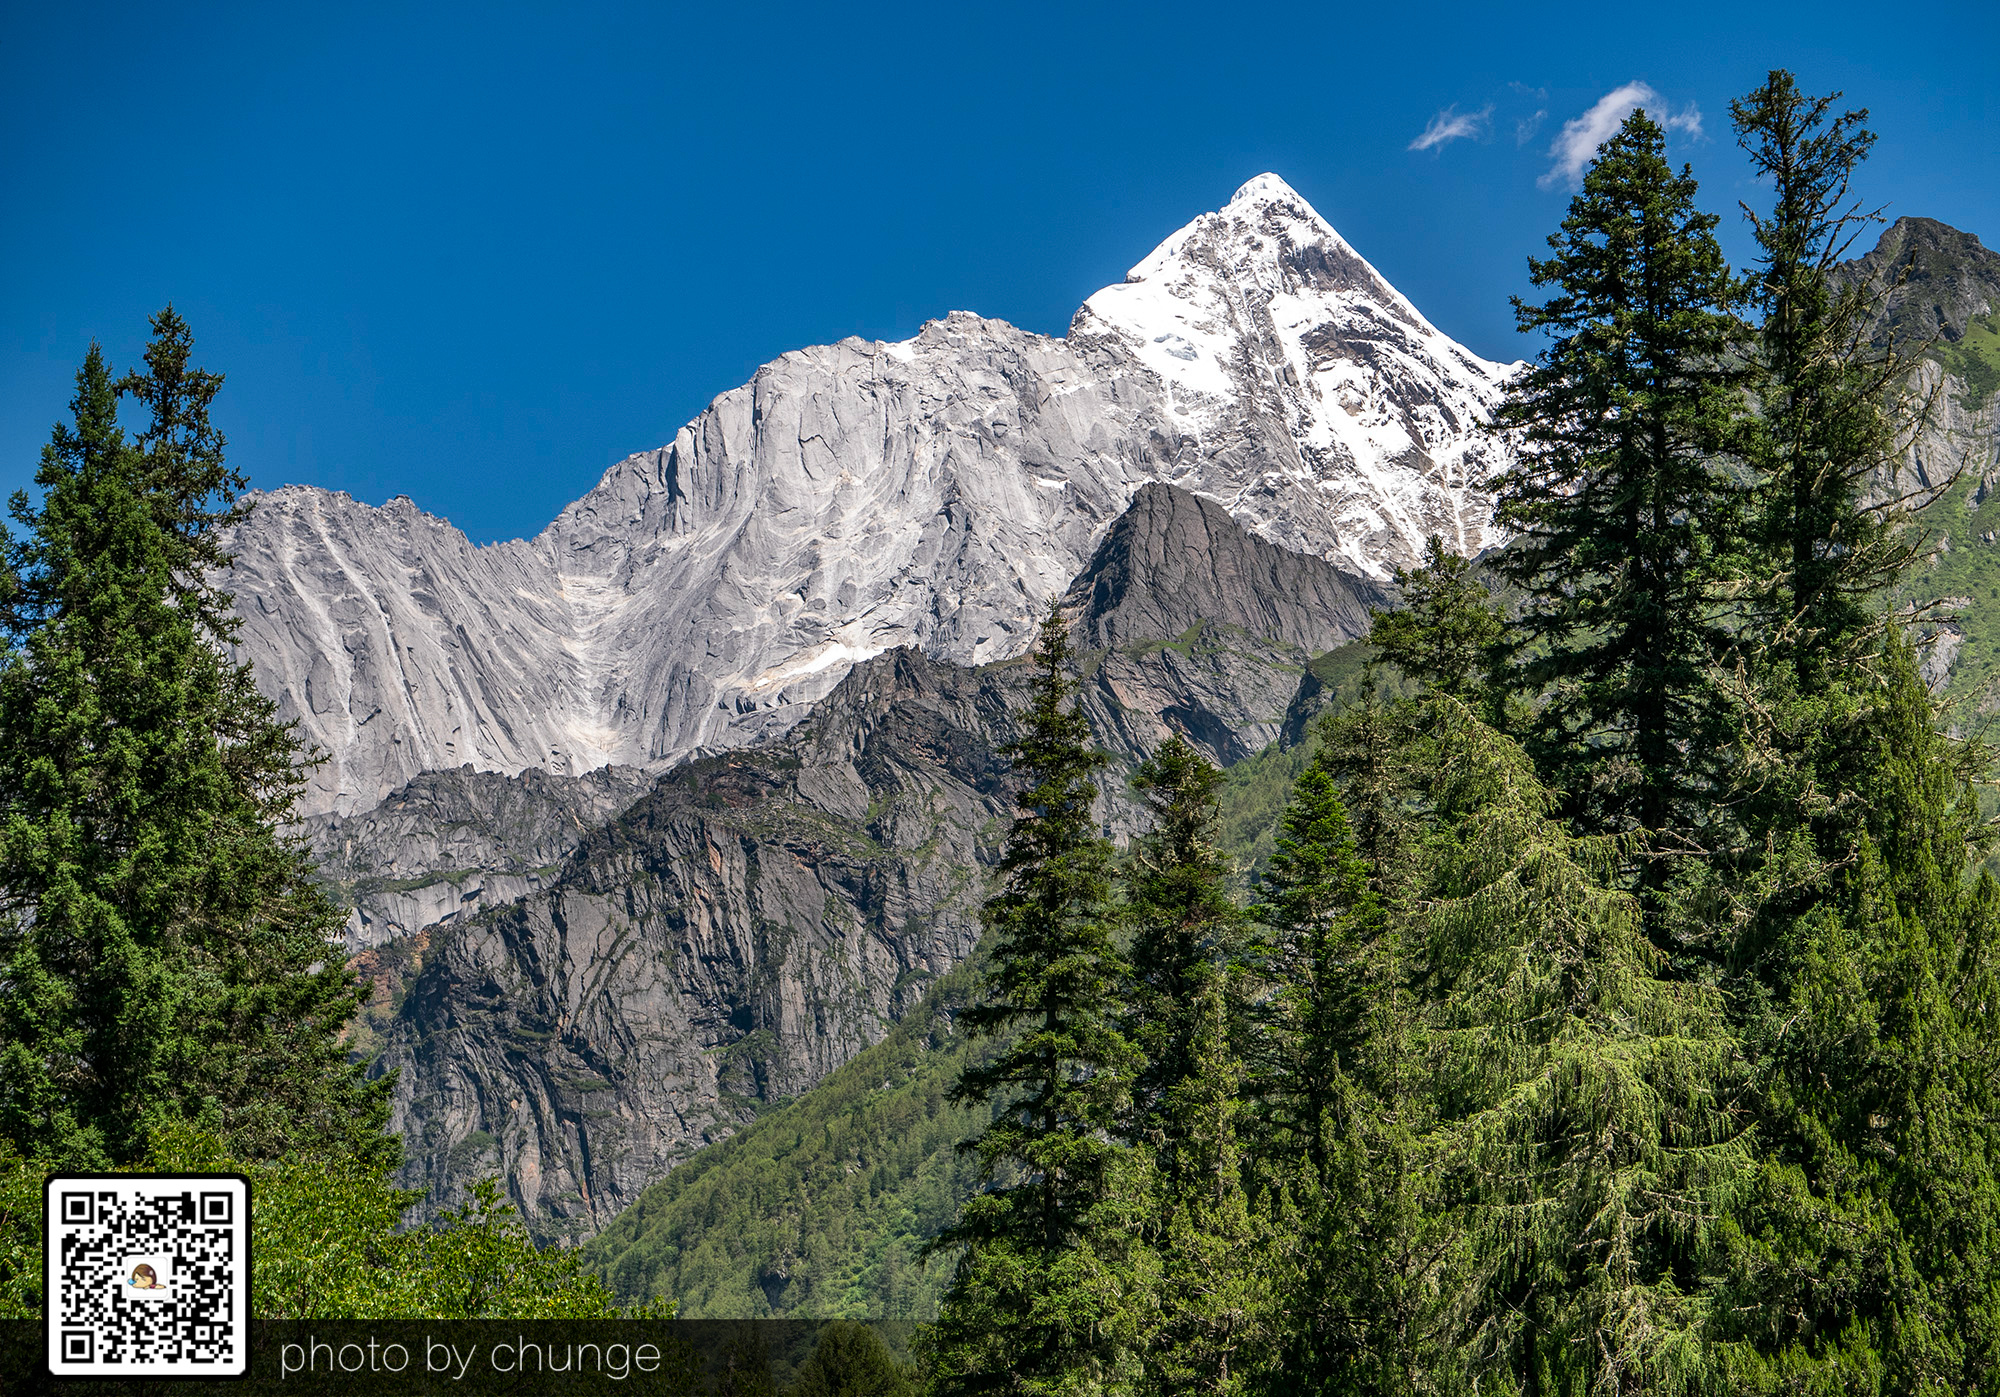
[(169, 954), (1626, 511), (1185, 935), (1869, 1256), (1823, 428), (1208, 1317), (1365, 754), (1862, 950), (1204, 1330), (1039, 1302), (1447, 633)]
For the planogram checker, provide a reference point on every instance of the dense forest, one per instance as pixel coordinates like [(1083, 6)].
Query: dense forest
[(1603, 1000), (1615, 1011)]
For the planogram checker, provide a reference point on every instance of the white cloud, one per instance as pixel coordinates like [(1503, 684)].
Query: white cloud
[(1580, 138), (1527, 126), (1688, 120), (1451, 125)]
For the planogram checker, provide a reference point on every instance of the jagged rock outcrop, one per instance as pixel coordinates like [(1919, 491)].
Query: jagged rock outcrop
[(857, 497), (746, 927), (1189, 623), (761, 916), (452, 843), (1936, 294), (1935, 280)]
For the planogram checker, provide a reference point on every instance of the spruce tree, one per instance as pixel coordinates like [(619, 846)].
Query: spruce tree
[(1338, 1106), (1870, 1252), (1202, 1328), (1823, 429), (1038, 1302), (1184, 943), (1862, 957), (1209, 1304), (1447, 632), (1317, 916), (1625, 510), (1365, 753), (168, 953)]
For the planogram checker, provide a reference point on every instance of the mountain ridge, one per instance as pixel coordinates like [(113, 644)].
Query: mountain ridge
[(760, 916), (854, 497)]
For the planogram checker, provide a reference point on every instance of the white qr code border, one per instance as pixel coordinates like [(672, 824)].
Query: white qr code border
[(92, 1328)]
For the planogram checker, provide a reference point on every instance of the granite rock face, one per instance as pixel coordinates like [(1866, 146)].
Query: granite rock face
[(760, 916), (1190, 624), (449, 844), (746, 927), (1935, 280), (857, 497)]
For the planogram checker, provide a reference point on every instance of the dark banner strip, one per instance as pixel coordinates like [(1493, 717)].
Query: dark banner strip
[(524, 1358)]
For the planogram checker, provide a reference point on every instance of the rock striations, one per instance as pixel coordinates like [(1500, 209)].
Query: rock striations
[(857, 497), (762, 915)]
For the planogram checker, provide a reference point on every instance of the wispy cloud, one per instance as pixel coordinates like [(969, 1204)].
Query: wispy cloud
[(1527, 126), (1580, 137), (1688, 119), (1451, 125)]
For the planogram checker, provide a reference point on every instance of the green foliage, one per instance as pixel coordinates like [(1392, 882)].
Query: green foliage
[(1822, 430), (20, 1235), (1039, 1286), (1318, 920), (1587, 1135), (1975, 359), (1185, 934), (324, 1232), (821, 1207), (1200, 1325), (1206, 1320), (1870, 1241), (1627, 514), (1447, 631), (850, 1360), (167, 951)]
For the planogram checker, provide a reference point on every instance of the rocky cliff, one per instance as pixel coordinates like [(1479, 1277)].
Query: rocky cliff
[(857, 497), (448, 844), (761, 916), (1188, 623)]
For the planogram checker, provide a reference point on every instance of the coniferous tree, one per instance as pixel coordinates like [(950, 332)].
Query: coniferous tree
[(1338, 1110), (1038, 1301), (1365, 752), (1585, 1130), (1869, 1252), (1203, 1328), (1863, 961), (168, 953), (1447, 631), (1625, 511), (1184, 943), (1823, 391)]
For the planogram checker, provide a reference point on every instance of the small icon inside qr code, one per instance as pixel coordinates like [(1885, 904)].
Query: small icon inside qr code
[(148, 1275)]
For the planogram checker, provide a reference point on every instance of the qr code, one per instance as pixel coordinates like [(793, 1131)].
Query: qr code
[(147, 1274)]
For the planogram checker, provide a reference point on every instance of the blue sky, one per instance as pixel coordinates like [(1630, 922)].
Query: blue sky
[(475, 255)]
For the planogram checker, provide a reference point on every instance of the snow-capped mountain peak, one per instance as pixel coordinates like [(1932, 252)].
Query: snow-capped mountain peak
[(856, 497), (1263, 309)]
